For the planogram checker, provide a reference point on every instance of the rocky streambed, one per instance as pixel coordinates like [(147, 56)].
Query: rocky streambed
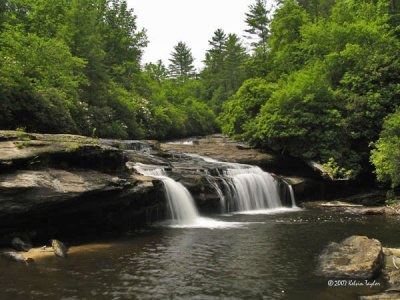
[(69, 186)]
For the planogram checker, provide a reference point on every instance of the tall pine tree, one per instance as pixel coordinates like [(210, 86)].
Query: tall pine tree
[(181, 66), (258, 25)]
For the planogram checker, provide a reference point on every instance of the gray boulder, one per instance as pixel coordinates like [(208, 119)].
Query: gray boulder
[(59, 248), (356, 257), (20, 245)]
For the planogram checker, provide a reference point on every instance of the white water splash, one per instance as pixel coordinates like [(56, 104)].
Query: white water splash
[(208, 223), (180, 202), (273, 211)]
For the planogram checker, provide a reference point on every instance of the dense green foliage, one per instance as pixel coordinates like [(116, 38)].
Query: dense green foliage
[(329, 80), (224, 70), (386, 155), (74, 67), (320, 80)]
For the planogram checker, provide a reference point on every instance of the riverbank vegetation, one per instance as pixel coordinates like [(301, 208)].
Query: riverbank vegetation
[(319, 81)]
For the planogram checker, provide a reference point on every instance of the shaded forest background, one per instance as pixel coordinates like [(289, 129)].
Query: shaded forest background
[(321, 80)]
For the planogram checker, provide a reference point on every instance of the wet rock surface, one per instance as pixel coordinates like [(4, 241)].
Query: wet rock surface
[(59, 248), (20, 245), (356, 257)]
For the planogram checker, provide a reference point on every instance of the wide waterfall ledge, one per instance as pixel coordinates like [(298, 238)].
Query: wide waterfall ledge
[(241, 189), (244, 188), (182, 209)]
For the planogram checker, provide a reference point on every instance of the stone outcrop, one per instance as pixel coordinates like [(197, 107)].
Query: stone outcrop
[(51, 201), (21, 150), (356, 257), (222, 148), (67, 186)]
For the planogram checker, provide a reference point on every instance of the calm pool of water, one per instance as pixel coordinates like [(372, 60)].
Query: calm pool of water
[(257, 257)]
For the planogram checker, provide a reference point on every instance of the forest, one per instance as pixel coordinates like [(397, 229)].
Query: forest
[(321, 80)]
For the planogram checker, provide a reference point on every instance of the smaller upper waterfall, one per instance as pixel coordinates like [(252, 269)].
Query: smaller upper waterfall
[(181, 205), (292, 198)]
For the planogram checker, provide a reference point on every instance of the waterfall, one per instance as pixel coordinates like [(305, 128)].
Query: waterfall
[(180, 203), (215, 185), (292, 198), (254, 188), (246, 187)]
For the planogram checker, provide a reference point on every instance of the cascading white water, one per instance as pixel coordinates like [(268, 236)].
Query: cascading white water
[(292, 198), (180, 202), (247, 187), (254, 188), (215, 185)]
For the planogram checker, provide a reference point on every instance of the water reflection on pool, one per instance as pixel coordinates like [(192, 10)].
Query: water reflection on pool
[(258, 256)]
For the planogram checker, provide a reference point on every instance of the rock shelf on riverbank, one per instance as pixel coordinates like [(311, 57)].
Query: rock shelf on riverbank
[(70, 186), (353, 208)]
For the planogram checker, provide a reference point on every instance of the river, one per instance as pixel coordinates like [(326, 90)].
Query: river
[(235, 256)]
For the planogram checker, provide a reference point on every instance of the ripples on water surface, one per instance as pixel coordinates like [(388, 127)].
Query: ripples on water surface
[(241, 256)]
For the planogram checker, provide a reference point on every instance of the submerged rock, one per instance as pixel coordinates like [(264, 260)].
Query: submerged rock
[(59, 248), (20, 245), (356, 257), (13, 256)]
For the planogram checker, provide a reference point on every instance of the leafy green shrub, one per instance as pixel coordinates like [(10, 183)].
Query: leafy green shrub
[(22, 145), (386, 155), (334, 171)]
